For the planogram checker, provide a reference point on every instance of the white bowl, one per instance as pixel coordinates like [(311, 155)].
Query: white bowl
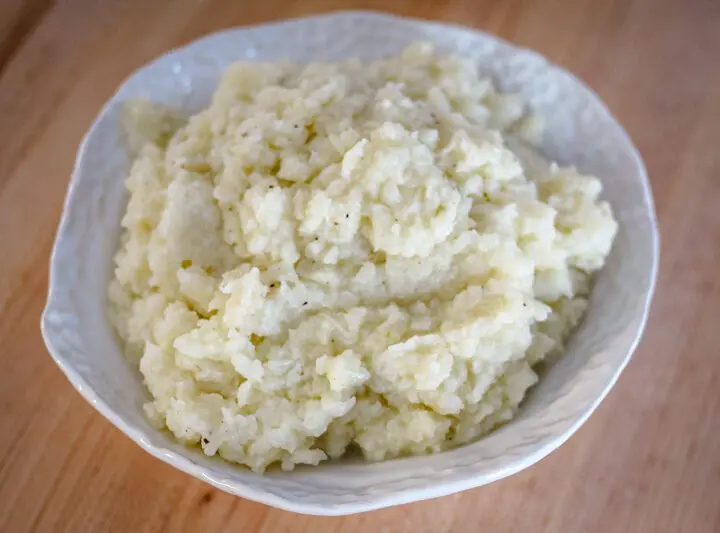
[(580, 131)]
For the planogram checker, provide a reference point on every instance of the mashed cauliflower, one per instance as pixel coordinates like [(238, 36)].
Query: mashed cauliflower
[(338, 255)]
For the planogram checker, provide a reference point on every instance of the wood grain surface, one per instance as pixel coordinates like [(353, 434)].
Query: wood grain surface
[(647, 461)]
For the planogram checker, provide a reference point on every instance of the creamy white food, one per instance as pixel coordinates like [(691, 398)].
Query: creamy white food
[(342, 255)]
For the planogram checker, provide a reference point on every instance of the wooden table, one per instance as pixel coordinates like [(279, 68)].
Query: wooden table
[(647, 461)]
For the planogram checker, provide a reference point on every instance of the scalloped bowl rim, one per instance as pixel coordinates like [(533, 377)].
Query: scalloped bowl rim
[(250, 492)]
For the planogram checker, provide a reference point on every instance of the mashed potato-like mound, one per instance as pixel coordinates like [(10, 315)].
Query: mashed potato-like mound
[(336, 254)]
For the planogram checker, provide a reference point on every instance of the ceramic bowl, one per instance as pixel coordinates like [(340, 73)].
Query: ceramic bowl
[(580, 131)]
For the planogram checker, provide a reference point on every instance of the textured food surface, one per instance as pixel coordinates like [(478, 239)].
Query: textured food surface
[(335, 255)]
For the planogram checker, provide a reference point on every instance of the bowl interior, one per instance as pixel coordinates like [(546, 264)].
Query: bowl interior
[(580, 131)]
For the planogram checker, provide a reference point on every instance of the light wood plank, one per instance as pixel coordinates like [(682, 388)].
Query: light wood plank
[(648, 460)]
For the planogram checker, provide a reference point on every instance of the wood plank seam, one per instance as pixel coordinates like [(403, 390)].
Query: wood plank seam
[(30, 17)]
